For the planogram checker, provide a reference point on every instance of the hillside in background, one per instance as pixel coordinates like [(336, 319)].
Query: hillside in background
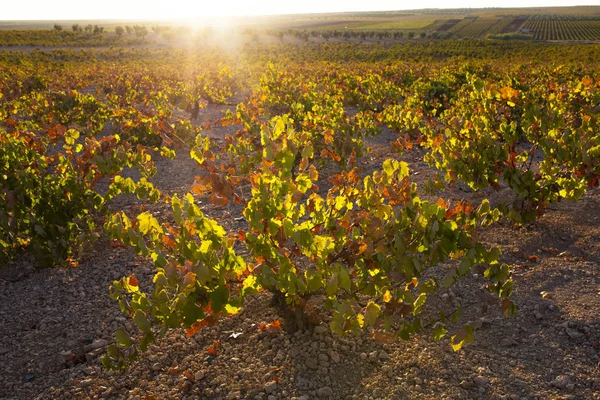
[(580, 23)]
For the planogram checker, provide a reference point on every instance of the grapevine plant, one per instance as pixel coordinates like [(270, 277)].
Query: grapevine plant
[(367, 248)]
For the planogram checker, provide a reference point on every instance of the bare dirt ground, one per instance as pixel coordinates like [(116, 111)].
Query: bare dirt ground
[(549, 350)]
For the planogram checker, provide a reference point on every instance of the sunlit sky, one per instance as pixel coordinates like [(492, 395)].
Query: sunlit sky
[(165, 9)]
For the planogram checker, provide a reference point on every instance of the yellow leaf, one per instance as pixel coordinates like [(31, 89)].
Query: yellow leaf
[(387, 296)]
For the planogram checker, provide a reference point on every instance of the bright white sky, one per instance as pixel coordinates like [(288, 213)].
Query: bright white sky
[(164, 9)]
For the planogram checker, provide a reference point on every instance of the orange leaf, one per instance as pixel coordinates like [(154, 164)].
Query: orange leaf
[(213, 350), (189, 332), (218, 200)]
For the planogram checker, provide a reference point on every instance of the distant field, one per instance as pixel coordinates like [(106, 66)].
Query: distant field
[(545, 29), (548, 23), (404, 24)]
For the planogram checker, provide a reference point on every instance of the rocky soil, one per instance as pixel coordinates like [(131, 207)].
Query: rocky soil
[(55, 323)]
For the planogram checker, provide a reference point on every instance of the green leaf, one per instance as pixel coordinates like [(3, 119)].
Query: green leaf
[(372, 313), (70, 136), (439, 331), (389, 166), (106, 363), (112, 351), (197, 155), (332, 286), (313, 280), (450, 278), (419, 303), (404, 170), (141, 321), (344, 278), (219, 298), (145, 222), (123, 338), (461, 338)]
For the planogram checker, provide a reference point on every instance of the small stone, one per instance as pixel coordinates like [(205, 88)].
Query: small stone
[(418, 388), (270, 387), (156, 367), (66, 357), (561, 381), (323, 357), (465, 384), (271, 397), (321, 329), (304, 397), (96, 344), (538, 315), (325, 392), (335, 357), (92, 355), (311, 363), (198, 376), (573, 334), (545, 295), (363, 356), (84, 383), (508, 342), (383, 355), (480, 380), (186, 386), (234, 395)]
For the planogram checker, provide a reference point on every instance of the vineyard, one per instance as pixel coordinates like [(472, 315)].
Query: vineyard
[(303, 221), (548, 29)]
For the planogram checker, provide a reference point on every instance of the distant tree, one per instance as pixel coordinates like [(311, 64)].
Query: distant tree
[(422, 34), (96, 29), (119, 31), (75, 27), (140, 31), (128, 29), (89, 28), (411, 35), (280, 36), (57, 27)]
